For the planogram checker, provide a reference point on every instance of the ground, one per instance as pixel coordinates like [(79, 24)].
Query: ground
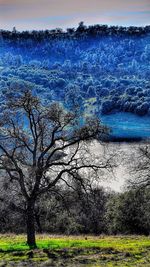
[(79, 251)]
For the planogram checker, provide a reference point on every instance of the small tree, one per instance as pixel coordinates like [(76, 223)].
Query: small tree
[(40, 146)]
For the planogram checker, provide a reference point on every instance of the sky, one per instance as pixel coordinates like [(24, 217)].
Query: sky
[(50, 14)]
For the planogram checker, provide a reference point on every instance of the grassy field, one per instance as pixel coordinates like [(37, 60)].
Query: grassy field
[(77, 251)]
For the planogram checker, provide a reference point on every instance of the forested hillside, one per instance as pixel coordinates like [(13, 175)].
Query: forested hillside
[(104, 70)]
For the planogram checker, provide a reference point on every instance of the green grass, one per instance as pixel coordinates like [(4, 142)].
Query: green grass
[(125, 243), (101, 251)]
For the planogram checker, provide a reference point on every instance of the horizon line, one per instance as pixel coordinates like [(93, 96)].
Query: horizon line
[(64, 29)]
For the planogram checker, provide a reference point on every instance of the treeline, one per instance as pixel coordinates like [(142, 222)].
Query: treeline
[(95, 211), (81, 31)]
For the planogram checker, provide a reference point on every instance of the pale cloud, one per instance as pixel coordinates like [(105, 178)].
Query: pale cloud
[(42, 14)]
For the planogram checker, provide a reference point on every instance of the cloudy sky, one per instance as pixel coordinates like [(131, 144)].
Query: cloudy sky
[(48, 14)]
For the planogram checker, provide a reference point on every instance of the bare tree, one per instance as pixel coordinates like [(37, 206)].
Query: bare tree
[(41, 147)]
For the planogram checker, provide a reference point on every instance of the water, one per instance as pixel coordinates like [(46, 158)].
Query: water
[(127, 125)]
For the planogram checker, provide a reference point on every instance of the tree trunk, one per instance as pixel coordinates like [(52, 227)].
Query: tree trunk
[(30, 220)]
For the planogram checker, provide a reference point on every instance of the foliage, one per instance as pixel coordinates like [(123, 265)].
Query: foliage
[(129, 212), (76, 211)]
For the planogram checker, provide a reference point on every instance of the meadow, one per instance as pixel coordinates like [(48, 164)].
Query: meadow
[(78, 251)]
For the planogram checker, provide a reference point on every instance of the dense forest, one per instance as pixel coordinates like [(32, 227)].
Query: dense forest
[(104, 70), (78, 212)]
